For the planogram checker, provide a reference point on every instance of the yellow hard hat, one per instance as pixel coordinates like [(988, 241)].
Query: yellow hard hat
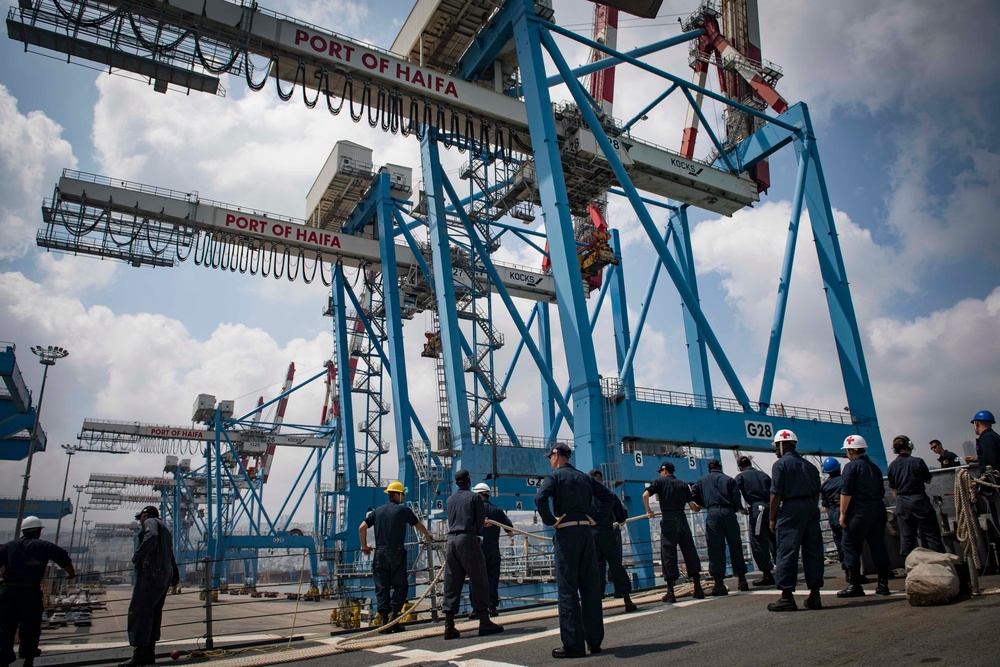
[(395, 487)]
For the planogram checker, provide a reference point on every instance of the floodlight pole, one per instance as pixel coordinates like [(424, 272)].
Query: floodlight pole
[(70, 451)]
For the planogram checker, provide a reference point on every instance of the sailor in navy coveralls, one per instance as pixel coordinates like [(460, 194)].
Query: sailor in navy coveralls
[(572, 493)]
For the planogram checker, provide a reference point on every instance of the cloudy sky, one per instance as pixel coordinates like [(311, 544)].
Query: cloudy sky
[(901, 94)]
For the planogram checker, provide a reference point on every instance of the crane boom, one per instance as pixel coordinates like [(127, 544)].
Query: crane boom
[(406, 94), (235, 224), (247, 440)]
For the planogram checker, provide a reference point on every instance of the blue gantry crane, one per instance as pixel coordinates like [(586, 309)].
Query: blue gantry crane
[(483, 91)]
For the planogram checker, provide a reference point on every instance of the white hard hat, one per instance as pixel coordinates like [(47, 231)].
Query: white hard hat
[(31, 522), (855, 442), (785, 435), (482, 488)]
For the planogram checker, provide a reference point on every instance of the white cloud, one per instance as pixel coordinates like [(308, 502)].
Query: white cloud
[(145, 367), (941, 205), (32, 151), (932, 373), (253, 151), (64, 275), (880, 55)]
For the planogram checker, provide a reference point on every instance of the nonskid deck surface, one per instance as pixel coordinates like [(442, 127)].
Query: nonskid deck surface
[(736, 629)]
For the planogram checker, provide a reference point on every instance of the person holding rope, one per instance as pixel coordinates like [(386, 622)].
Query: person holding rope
[(464, 557), (755, 486), (675, 531), (608, 548), (24, 561), (574, 495), (987, 456), (155, 572), (490, 544), (389, 564)]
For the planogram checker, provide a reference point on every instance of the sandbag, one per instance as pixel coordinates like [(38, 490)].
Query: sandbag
[(929, 584), (921, 556)]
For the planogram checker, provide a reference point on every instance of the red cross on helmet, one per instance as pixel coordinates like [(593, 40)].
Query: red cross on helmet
[(855, 442), (785, 435)]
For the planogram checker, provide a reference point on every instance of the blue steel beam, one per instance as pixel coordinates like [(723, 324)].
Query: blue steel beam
[(363, 214), (486, 46), (675, 273), (444, 292), (784, 284), (699, 426), (612, 60), (504, 295), (654, 275), (701, 378), (517, 350), (401, 413), (857, 384), (588, 413), (686, 85), (711, 133), (769, 139), (649, 107), (43, 509), (386, 362), (498, 412), (545, 350), (553, 430), (615, 278), (345, 398)]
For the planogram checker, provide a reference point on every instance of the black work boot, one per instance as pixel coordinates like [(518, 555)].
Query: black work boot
[(719, 588), (140, 658), (399, 627), (853, 589), (629, 605), (670, 597), (150, 651), (486, 626), (450, 632), (699, 593), (813, 601), (29, 660), (742, 584), (883, 585), (785, 603), (383, 620), (766, 580)]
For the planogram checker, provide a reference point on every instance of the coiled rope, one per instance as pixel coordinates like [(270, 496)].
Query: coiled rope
[(967, 529)]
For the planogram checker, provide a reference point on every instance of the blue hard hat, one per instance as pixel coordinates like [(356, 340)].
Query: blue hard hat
[(830, 464), (984, 416)]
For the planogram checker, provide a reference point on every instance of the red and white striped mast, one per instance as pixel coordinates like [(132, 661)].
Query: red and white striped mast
[(734, 48)]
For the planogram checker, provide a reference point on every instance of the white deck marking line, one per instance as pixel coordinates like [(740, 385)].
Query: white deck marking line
[(459, 651)]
